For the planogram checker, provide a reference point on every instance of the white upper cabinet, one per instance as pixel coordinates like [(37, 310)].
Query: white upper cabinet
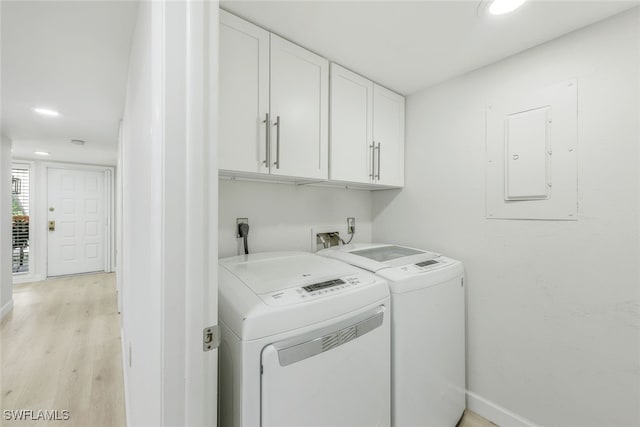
[(274, 114), (299, 111), (367, 131), (244, 95), (351, 127), (388, 137)]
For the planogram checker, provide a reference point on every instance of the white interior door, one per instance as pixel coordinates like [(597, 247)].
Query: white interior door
[(76, 221)]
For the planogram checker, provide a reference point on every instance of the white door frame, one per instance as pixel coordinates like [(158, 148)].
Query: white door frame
[(190, 137), (109, 201), (177, 116)]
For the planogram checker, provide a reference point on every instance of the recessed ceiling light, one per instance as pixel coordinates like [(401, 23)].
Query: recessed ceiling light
[(500, 7), (41, 153), (46, 112)]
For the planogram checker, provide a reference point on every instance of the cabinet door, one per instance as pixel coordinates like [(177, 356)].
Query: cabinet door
[(244, 95), (350, 153), (388, 135), (299, 111)]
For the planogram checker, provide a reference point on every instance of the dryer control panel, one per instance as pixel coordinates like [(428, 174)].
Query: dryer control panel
[(314, 291)]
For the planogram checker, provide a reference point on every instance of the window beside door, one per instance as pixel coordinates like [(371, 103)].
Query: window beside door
[(20, 214)]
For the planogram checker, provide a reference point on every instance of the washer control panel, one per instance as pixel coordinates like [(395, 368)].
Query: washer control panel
[(316, 290), (428, 265)]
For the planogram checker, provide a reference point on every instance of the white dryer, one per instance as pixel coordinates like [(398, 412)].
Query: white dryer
[(427, 330), (305, 342)]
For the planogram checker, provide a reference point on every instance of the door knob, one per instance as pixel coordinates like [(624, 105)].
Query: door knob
[(52, 226)]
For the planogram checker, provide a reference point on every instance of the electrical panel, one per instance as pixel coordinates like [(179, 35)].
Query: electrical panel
[(532, 162)]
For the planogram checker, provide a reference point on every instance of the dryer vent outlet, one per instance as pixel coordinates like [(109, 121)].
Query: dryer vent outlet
[(327, 240)]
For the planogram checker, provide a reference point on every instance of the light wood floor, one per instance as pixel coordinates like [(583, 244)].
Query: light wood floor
[(61, 351), (471, 419)]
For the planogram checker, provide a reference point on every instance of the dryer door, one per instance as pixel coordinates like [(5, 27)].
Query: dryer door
[(337, 376)]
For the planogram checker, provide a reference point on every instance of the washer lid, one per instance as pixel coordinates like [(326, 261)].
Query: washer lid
[(271, 272), (386, 253), (375, 256)]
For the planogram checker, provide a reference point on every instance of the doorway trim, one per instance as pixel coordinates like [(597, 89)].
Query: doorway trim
[(109, 203)]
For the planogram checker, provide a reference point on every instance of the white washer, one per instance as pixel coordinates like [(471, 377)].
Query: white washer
[(305, 342), (427, 330)]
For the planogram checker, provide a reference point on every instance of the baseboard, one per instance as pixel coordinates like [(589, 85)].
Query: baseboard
[(124, 375), (20, 279), (495, 413), (6, 309)]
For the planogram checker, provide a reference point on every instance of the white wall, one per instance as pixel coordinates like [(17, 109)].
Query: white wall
[(64, 151), (553, 307), (6, 277), (140, 272), (281, 215)]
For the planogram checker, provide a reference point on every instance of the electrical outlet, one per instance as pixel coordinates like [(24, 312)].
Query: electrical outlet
[(238, 222), (351, 225)]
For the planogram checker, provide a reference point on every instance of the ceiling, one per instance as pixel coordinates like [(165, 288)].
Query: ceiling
[(409, 45), (72, 57)]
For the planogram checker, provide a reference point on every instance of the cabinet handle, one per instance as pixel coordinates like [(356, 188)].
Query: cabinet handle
[(267, 139), (379, 153), (373, 159), (277, 125)]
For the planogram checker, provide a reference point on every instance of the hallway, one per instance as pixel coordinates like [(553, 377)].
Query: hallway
[(61, 350)]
